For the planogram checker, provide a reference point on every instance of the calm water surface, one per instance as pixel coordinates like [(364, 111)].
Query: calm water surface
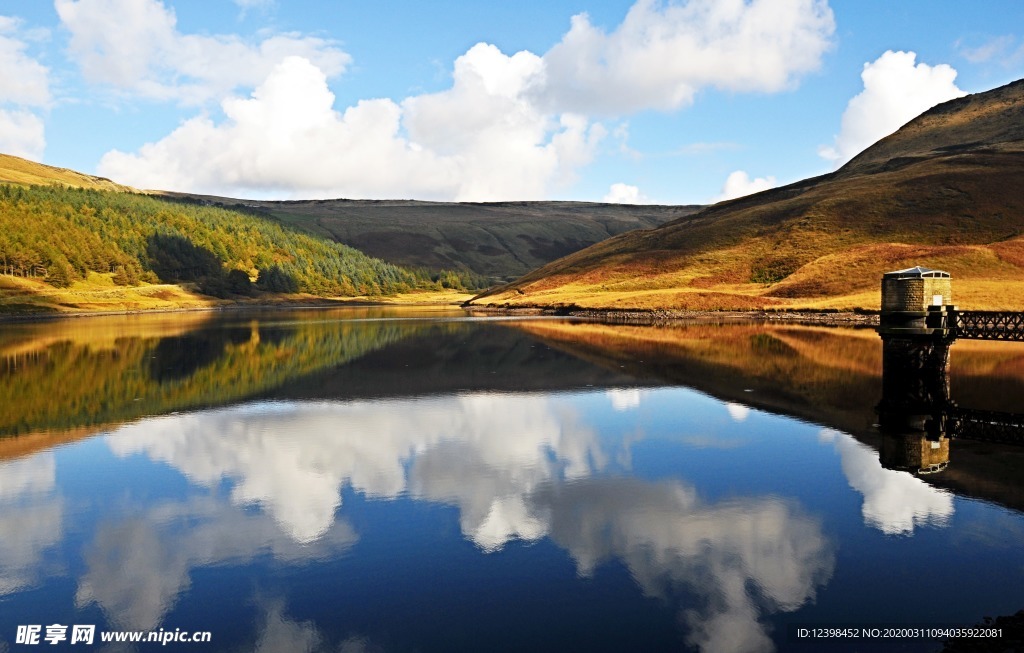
[(383, 480)]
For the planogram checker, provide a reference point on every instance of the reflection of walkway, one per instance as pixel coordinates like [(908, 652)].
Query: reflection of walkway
[(916, 397)]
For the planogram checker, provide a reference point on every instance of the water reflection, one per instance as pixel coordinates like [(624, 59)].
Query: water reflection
[(894, 502), (138, 566), (728, 516), (516, 467), (743, 558), (31, 520), (834, 377), (484, 453)]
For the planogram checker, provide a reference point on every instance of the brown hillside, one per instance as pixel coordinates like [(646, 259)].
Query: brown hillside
[(497, 240), (943, 191)]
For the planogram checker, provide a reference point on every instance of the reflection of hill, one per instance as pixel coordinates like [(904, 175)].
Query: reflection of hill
[(67, 382), (464, 357), (828, 376)]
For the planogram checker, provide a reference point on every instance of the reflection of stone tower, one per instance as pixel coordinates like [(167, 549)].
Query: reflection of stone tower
[(915, 369), (915, 452)]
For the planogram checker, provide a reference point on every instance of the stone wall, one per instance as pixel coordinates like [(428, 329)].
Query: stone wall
[(914, 294)]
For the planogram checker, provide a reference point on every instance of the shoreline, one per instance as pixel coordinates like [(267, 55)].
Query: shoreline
[(283, 305), (674, 316), (650, 317)]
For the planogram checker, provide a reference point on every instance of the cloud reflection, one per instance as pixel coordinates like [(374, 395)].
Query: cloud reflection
[(136, 568), (894, 502), (293, 459), (517, 467), (741, 557), (31, 519)]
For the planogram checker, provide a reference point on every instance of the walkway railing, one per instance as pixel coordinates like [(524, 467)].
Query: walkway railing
[(989, 325)]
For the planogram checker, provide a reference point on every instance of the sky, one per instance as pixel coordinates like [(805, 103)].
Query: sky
[(652, 101)]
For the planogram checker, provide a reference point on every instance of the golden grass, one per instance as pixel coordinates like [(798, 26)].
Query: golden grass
[(984, 278), (98, 294), (16, 170)]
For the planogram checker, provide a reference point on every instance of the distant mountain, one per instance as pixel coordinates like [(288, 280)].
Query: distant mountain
[(944, 191), (496, 240)]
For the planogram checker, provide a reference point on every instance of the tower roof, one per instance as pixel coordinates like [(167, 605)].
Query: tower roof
[(916, 272)]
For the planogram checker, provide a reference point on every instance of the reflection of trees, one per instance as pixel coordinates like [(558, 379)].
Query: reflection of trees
[(68, 385)]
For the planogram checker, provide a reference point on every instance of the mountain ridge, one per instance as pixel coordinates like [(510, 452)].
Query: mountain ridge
[(937, 192)]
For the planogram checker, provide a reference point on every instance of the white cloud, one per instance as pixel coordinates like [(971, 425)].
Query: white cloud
[(663, 53), (625, 194), (510, 126), (148, 56), (479, 140), (24, 84), (739, 184), (895, 91), (22, 133), (25, 81), (994, 48)]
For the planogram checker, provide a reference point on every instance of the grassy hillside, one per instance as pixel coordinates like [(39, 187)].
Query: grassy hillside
[(943, 192), (59, 237), (15, 170), (498, 241)]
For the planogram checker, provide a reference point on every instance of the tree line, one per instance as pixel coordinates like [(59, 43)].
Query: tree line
[(60, 234)]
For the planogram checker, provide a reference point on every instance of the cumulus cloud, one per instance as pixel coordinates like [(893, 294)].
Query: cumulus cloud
[(24, 87), (22, 133), (625, 194), (896, 90), (739, 184), (663, 53), (478, 140), (509, 127), (25, 81), (148, 56)]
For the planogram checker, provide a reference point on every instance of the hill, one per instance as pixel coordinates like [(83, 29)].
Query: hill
[(943, 192), (498, 241), (15, 170), (102, 242)]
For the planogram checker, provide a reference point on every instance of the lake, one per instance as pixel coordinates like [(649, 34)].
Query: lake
[(379, 479)]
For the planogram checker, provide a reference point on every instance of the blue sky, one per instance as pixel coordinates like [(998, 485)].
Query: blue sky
[(672, 102)]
